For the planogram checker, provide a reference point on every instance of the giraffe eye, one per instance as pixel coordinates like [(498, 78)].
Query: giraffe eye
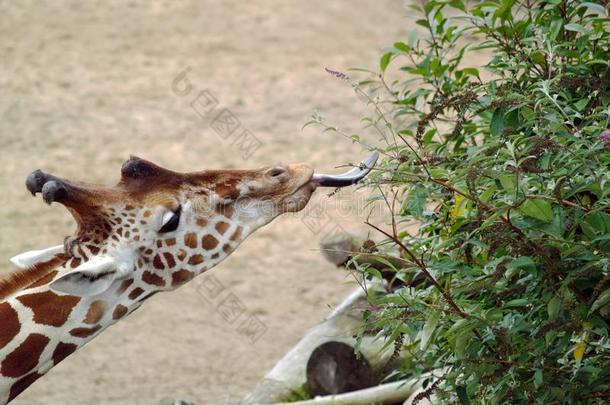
[(171, 220)]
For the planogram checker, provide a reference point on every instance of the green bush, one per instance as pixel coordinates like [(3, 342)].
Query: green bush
[(505, 174)]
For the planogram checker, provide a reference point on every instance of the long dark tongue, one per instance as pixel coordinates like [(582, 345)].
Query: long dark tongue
[(348, 178)]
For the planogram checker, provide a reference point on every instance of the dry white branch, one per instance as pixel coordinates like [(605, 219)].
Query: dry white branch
[(378, 395)]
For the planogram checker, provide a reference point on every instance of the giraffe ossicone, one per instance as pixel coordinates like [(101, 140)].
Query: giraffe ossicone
[(154, 231)]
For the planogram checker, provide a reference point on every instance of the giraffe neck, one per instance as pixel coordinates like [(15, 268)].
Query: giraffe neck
[(40, 328)]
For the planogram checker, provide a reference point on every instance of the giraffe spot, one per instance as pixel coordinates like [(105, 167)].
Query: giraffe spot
[(129, 207), (127, 234), (49, 308), (119, 312), (75, 262), (227, 249), (25, 357), (147, 213), (63, 350), (170, 241), (93, 249), (159, 243), (180, 277), (131, 221), (84, 332), (190, 240), (20, 385), (195, 260), (136, 238), (215, 256), (95, 312), (124, 286), (149, 251), (158, 263), (119, 231), (222, 227), (135, 293), (153, 279), (10, 324), (81, 252), (44, 280), (181, 254), (202, 222), (237, 234), (209, 242), (169, 258)]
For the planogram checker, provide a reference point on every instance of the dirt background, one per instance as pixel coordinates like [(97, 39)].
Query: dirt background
[(85, 84)]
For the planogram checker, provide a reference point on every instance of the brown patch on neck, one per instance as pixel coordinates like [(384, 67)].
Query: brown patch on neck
[(20, 385), (21, 279), (49, 308), (25, 357), (95, 313), (10, 324)]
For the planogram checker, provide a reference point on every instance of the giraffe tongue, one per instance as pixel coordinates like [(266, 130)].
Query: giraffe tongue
[(348, 178)]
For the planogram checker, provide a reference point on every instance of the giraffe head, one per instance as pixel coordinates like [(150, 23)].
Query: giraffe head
[(158, 228)]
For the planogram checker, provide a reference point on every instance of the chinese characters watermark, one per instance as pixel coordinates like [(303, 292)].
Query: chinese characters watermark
[(222, 120), (231, 309)]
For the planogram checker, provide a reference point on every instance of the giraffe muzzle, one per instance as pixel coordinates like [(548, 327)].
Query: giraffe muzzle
[(348, 178)]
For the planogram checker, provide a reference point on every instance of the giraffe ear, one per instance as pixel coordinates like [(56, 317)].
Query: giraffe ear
[(27, 260), (90, 278)]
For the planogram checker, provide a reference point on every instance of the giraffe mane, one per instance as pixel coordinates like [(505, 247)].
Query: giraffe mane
[(18, 279)]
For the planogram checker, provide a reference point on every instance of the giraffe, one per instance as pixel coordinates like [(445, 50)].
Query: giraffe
[(154, 231)]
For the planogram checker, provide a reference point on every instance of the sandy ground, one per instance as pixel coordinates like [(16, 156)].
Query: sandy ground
[(85, 84)]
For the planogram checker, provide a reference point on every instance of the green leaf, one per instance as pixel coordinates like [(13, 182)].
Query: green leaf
[(428, 330), (460, 390), (602, 300), (555, 28), (581, 104), (471, 71), (358, 344), (538, 209), (497, 122), (553, 308), (600, 221), (385, 61), (517, 302), (459, 4), (528, 114), (508, 182), (401, 46), (461, 341), (538, 378), (577, 28), (521, 262), (416, 201), (596, 7)]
